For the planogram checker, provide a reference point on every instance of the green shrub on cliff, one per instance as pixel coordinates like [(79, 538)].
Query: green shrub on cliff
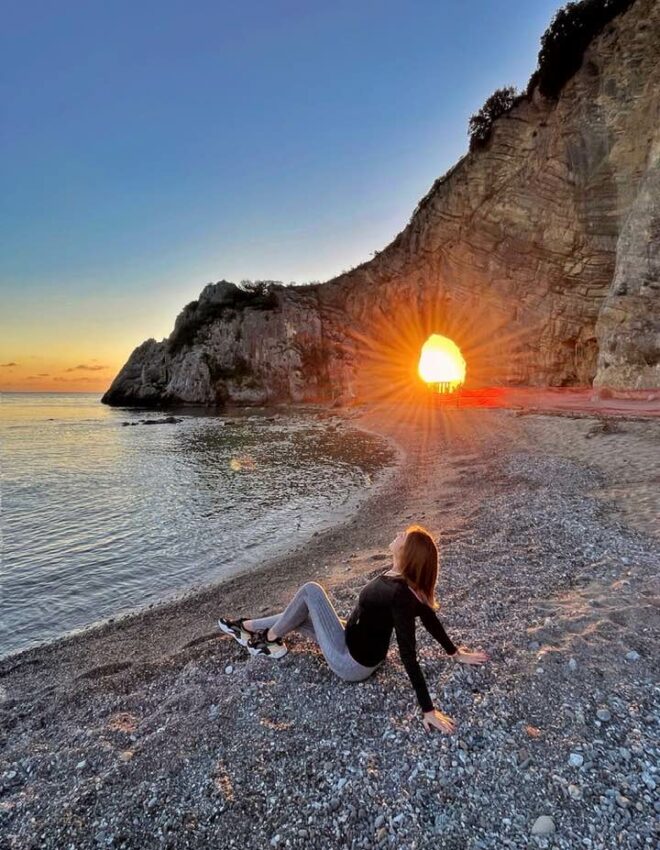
[(572, 29), (481, 122), (563, 44), (261, 290), (219, 301)]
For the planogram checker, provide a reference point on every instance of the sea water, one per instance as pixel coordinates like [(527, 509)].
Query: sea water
[(100, 516)]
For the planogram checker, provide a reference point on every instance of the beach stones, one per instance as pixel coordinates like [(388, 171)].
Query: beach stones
[(649, 781), (543, 825)]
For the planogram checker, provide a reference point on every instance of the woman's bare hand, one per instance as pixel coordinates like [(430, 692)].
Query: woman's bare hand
[(438, 720), (466, 656)]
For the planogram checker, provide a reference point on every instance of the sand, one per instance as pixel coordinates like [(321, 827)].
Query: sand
[(153, 730)]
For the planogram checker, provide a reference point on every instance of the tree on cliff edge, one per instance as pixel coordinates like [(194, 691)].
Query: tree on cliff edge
[(571, 30), (481, 122)]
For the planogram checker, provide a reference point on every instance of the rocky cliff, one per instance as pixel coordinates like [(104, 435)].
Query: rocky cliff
[(538, 253)]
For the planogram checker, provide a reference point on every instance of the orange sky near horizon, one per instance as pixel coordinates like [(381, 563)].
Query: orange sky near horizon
[(71, 363), (79, 345), (41, 374)]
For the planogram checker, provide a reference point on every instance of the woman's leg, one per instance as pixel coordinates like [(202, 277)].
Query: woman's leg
[(305, 628), (297, 613), (311, 604)]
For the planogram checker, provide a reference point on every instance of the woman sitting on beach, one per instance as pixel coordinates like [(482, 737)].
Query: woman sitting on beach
[(356, 647)]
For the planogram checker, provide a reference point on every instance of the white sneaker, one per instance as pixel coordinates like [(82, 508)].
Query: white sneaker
[(260, 645), (236, 629)]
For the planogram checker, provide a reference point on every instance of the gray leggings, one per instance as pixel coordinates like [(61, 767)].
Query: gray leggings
[(311, 613)]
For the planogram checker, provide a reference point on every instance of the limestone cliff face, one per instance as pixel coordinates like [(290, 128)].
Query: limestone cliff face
[(539, 254)]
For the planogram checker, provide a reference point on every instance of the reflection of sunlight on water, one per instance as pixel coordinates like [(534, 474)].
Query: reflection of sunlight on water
[(99, 518)]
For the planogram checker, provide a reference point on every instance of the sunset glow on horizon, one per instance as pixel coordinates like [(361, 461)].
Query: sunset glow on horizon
[(29, 377), (79, 345), (59, 365)]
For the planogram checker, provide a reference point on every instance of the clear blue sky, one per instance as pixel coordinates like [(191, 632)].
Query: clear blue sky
[(150, 147)]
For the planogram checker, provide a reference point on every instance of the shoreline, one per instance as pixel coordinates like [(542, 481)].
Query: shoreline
[(181, 601), (162, 732), (328, 518)]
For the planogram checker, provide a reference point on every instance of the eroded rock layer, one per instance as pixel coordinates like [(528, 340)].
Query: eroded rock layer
[(538, 254)]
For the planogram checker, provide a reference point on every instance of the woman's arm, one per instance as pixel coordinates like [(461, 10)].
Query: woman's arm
[(404, 625), (435, 627), (461, 653)]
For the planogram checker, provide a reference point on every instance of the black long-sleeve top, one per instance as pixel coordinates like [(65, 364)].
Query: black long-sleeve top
[(386, 603)]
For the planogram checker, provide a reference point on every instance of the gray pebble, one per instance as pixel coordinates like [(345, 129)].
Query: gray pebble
[(648, 780), (543, 825)]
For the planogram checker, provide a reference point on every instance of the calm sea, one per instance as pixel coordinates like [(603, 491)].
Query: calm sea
[(99, 517)]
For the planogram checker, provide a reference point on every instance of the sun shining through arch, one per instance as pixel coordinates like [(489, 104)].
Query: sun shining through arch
[(441, 364), (386, 346)]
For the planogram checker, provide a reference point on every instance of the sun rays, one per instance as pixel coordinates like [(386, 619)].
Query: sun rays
[(388, 349)]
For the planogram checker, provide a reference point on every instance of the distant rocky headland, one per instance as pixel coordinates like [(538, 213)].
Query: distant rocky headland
[(538, 253)]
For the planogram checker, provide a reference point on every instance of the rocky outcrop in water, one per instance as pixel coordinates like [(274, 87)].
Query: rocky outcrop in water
[(539, 254)]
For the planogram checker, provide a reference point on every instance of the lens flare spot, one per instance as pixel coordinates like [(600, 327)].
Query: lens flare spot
[(241, 463), (442, 364)]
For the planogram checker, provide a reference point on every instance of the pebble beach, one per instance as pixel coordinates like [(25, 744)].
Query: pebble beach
[(157, 731)]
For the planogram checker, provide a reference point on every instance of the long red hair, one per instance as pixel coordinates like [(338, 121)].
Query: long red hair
[(419, 562)]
